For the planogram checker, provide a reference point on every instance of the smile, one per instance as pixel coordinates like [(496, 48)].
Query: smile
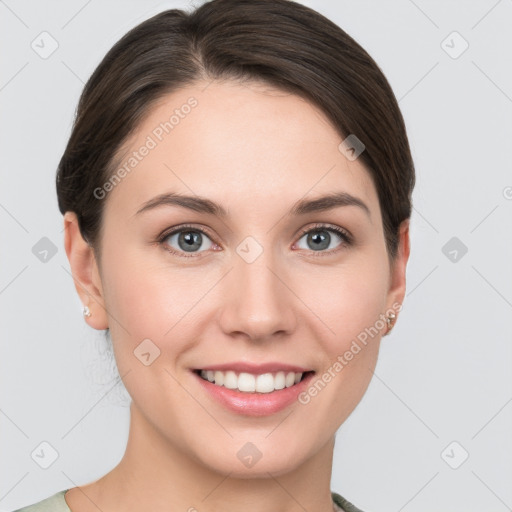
[(251, 383)]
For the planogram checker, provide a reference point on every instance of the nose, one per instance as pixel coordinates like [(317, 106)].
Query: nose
[(257, 303)]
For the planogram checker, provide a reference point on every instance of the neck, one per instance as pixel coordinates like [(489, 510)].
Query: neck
[(156, 475)]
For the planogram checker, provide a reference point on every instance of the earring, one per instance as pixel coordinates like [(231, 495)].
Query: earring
[(86, 311), (390, 319)]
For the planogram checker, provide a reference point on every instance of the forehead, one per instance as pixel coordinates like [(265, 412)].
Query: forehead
[(239, 144)]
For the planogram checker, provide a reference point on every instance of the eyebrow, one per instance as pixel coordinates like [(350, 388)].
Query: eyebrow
[(301, 207)]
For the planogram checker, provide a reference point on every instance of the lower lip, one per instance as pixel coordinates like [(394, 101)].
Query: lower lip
[(254, 404)]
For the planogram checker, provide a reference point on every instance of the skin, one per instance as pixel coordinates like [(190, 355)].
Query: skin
[(256, 151)]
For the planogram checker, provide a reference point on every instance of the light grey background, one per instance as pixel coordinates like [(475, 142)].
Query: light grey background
[(444, 374)]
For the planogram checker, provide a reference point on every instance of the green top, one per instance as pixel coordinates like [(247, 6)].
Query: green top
[(57, 503)]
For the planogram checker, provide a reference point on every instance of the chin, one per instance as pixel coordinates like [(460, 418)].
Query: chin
[(246, 460)]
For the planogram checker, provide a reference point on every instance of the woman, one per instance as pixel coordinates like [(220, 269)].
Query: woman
[(236, 194)]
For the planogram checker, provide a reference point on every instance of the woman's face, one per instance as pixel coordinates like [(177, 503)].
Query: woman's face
[(255, 279)]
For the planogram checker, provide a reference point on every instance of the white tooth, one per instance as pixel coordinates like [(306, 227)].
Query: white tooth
[(246, 382), (219, 378), (265, 383), (230, 380), (249, 383), (279, 380), (290, 379)]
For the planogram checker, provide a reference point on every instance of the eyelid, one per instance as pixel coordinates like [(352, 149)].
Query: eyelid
[(182, 227), (322, 226)]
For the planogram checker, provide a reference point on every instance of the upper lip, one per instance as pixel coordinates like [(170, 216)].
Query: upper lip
[(256, 369)]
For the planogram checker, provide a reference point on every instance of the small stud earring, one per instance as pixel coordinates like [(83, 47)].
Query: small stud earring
[(390, 321), (86, 311)]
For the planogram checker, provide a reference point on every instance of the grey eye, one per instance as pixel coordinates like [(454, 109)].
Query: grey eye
[(318, 240), (189, 240)]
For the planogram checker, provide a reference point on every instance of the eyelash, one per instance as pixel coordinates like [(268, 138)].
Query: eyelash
[(344, 235)]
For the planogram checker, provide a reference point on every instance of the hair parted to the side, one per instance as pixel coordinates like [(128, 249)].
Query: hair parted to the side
[(279, 42)]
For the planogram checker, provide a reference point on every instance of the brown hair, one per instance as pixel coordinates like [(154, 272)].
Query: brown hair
[(280, 42)]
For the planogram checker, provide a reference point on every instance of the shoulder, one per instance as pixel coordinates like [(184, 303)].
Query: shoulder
[(345, 505), (57, 503), (54, 503)]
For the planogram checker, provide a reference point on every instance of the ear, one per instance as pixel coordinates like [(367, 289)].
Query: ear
[(84, 270), (396, 293)]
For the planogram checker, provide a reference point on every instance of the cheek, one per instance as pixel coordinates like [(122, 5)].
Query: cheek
[(146, 299), (351, 309), (349, 301)]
